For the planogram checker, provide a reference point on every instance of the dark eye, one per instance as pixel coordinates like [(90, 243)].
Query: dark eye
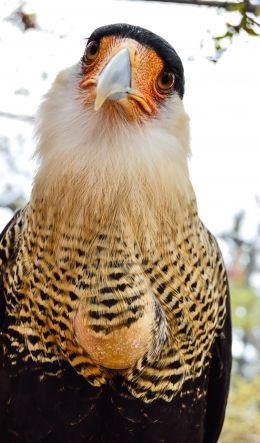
[(91, 52), (165, 81)]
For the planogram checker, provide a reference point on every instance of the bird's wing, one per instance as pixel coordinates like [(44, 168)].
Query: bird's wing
[(8, 243), (219, 380)]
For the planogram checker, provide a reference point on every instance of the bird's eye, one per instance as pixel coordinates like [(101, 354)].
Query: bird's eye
[(165, 81), (91, 52)]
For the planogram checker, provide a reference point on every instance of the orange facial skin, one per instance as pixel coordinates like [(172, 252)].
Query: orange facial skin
[(146, 67)]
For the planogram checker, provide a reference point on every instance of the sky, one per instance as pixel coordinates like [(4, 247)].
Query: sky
[(222, 99)]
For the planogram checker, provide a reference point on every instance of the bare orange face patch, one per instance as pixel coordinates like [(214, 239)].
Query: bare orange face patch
[(146, 70)]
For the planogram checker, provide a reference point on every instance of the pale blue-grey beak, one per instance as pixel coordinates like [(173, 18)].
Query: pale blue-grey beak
[(114, 81)]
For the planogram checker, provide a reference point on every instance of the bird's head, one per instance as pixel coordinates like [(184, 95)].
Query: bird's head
[(129, 70), (115, 121)]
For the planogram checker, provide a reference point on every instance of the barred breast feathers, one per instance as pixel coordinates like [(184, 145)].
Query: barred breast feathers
[(112, 232)]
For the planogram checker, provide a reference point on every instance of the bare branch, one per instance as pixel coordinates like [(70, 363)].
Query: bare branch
[(213, 3), (25, 118)]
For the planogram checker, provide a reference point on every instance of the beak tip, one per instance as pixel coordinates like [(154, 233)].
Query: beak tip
[(97, 104)]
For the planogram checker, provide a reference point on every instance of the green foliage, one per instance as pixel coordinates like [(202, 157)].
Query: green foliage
[(17, 203), (245, 305), (246, 24), (242, 423)]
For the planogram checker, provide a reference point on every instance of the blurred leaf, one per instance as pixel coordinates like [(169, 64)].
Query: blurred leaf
[(242, 423), (240, 7), (247, 24), (245, 298), (228, 34), (18, 202), (251, 31)]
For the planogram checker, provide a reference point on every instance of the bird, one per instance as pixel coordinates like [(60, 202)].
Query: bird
[(115, 319)]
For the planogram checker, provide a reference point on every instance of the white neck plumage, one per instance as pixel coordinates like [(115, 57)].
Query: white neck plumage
[(92, 167)]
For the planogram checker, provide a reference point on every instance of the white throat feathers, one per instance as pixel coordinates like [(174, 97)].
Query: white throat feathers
[(95, 168)]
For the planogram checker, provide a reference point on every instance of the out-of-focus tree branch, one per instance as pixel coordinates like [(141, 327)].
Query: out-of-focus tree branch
[(247, 11), (24, 118), (249, 7)]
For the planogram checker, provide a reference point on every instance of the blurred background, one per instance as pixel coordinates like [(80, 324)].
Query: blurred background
[(220, 50)]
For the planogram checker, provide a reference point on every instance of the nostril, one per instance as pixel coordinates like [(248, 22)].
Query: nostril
[(135, 57)]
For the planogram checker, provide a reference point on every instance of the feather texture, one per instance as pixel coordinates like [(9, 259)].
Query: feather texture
[(114, 300)]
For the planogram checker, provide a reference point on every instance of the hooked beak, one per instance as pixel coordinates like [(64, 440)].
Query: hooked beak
[(114, 82)]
